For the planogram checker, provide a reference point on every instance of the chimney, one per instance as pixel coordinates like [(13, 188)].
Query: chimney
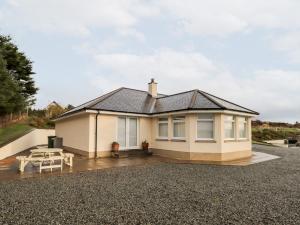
[(152, 88)]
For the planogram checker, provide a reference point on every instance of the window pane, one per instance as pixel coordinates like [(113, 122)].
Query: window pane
[(163, 130), (242, 119), (229, 118), (132, 132), (205, 116), (205, 129), (242, 129), (229, 130), (179, 129), (122, 131)]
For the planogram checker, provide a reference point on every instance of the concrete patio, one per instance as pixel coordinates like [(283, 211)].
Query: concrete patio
[(9, 166)]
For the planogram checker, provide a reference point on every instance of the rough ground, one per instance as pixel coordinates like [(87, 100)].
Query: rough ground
[(264, 193)]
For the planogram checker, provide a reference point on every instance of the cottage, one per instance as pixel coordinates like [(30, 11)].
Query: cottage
[(191, 125)]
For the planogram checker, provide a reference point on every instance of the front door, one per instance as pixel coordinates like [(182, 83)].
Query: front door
[(127, 132)]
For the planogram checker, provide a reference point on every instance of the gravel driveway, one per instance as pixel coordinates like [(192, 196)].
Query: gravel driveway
[(264, 193)]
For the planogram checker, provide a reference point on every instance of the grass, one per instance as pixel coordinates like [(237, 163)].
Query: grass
[(13, 131), (265, 134)]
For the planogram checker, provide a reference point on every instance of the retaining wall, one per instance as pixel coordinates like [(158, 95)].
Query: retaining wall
[(33, 138)]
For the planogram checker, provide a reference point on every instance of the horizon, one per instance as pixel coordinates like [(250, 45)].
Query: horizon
[(246, 52)]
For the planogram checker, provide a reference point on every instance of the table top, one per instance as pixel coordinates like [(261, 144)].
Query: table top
[(46, 150)]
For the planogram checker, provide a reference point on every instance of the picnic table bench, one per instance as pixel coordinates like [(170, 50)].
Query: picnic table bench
[(46, 158)]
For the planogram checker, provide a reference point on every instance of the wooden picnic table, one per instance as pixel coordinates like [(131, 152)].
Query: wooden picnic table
[(46, 151), (41, 155)]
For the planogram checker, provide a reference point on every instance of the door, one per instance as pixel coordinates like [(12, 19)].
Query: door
[(132, 132), (122, 132), (127, 132)]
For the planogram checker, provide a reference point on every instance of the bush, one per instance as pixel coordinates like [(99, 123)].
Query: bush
[(273, 134), (40, 122)]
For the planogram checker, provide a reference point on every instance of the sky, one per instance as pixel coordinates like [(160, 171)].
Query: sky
[(246, 51)]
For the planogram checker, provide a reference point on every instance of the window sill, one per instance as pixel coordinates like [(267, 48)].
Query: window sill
[(162, 139), (205, 141), (243, 140), (178, 140), (230, 140)]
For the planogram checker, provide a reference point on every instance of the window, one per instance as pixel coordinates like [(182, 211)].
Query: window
[(205, 127), (229, 127), (163, 127), (179, 127), (242, 125)]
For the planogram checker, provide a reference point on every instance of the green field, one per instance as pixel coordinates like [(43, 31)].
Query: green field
[(13, 131)]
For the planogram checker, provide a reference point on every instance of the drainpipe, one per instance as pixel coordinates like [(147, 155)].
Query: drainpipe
[(96, 134)]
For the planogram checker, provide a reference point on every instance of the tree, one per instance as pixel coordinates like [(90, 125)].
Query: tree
[(53, 110), (11, 99), (19, 68), (69, 107)]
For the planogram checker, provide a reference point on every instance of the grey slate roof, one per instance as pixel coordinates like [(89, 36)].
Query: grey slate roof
[(141, 102)]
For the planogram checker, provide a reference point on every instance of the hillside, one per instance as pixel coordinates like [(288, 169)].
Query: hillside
[(264, 131)]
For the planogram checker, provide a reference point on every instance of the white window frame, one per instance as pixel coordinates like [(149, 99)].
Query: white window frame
[(245, 122), (166, 121), (205, 120), (127, 133), (234, 127), (176, 120)]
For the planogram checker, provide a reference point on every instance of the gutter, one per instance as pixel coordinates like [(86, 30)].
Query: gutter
[(96, 134)]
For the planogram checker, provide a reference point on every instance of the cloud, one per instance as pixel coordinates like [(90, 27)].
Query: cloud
[(75, 17), (105, 29), (196, 17), (289, 44), (274, 93), (222, 18)]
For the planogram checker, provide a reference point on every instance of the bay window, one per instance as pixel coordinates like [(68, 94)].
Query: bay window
[(163, 127), (179, 127), (229, 125), (205, 127)]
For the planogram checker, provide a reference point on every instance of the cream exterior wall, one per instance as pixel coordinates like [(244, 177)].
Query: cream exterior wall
[(79, 133), (76, 132), (108, 131)]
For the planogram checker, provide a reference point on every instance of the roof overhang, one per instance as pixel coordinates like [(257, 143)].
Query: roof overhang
[(103, 112), (229, 112)]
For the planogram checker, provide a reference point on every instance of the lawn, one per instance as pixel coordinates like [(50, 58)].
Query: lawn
[(13, 131), (168, 193)]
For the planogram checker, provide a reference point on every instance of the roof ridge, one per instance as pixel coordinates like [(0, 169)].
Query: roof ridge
[(143, 91), (209, 98), (107, 95), (153, 105), (76, 108), (229, 102), (193, 99), (177, 93)]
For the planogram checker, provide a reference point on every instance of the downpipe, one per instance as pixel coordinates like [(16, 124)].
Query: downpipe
[(96, 135)]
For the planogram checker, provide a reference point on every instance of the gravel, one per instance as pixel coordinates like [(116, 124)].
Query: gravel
[(263, 193)]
